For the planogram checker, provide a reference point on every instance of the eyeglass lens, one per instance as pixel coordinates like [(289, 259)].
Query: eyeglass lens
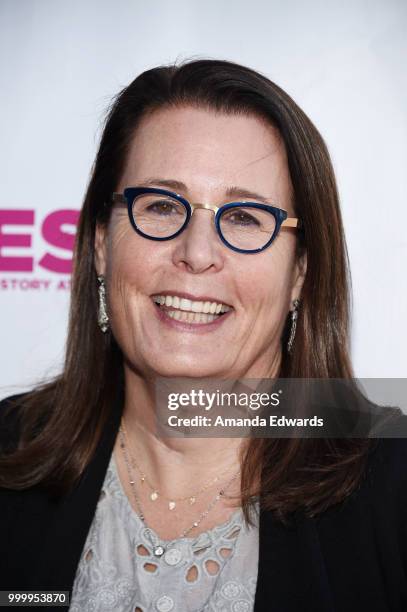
[(243, 227)]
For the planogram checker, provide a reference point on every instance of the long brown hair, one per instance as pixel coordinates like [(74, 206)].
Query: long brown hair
[(69, 413)]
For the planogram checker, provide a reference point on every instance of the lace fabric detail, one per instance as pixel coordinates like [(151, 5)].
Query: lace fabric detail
[(213, 571)]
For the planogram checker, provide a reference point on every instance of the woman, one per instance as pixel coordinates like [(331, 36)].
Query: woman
[(92, 501)]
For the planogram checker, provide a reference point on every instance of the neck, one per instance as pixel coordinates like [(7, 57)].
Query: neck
[(173, 464)]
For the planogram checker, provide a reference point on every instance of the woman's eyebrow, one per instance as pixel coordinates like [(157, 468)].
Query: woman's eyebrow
[(231, 192)]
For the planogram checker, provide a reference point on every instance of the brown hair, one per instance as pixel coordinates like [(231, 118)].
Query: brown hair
[(69, 413)]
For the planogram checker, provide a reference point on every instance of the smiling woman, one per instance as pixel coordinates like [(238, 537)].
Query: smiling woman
[(210, 245), (191, 266)]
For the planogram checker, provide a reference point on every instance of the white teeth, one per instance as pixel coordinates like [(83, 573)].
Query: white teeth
[(191, 317), (197, 306), (186, 305), (175, 314)]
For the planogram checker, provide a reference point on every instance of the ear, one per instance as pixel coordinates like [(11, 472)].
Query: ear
[(100, 249), (299, 273)]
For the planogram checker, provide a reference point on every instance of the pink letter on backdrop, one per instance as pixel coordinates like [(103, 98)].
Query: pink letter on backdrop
[(53, 234), (15, 217)]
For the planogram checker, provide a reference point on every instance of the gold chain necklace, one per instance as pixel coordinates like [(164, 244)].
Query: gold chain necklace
[(154, 495), (158, 547)]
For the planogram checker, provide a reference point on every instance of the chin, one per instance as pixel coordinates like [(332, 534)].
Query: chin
[(187, 370)]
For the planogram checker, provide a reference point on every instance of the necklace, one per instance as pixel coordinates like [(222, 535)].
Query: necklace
[(158, 547), (154, 495)]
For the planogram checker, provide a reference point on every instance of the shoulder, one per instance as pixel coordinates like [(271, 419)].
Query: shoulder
[(385, 479), (376, 510), (388, 456), (391, 443), (10, 419)]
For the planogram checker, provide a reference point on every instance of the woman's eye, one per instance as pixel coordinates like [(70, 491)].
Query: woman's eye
[(163, 207), (242, 218)]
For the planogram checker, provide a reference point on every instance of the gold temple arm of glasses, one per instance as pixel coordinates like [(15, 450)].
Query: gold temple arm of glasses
[(119, 197), (292, 222)]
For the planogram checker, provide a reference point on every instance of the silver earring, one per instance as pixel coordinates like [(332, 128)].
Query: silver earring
[(294, 317), (103, 319)]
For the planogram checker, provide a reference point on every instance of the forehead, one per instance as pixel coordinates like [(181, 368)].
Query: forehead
[(209, 152)]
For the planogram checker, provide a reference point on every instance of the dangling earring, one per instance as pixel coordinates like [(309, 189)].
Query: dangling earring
[(103, 319), (294, 317)]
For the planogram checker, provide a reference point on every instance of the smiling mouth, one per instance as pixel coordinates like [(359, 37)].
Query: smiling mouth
[(190, 311)]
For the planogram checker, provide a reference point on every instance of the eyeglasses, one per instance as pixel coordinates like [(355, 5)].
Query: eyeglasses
[(245, 227)]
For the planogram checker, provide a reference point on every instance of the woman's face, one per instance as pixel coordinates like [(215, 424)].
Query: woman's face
[(208, 153)]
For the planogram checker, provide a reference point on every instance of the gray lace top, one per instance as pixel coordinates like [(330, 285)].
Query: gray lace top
[(216, 570)]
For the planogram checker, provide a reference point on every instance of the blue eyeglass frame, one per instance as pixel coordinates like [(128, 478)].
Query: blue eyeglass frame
[(280, 215)]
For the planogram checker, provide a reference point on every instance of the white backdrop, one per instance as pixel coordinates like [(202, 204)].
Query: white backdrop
[(61, 62)]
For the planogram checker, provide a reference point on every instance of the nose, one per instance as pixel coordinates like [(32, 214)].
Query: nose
[(198, 247)]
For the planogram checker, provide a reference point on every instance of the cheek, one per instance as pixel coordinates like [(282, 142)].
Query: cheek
[(126, 271), (126, 252), (269, 278)]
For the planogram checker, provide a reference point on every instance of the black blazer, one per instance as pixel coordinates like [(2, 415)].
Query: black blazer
[(353, 557)]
